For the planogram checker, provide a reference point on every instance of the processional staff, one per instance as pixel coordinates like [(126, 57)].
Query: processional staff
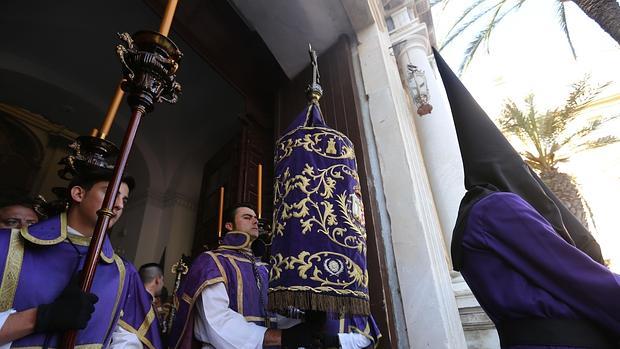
[(150, 62), (108, 120), (179, 269)]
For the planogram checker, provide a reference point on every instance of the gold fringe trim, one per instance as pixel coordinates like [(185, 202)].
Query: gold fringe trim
[(281, 301)]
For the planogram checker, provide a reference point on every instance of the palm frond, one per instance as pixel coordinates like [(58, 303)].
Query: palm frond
[(532, 125), (582, 132), (561, 13), (546, 126), (485, 33), (453, 35), (471, 49), (581, 95), (493, 22), (437, 2), (597, 143), (466, 13), (534, 162), (512, 121)]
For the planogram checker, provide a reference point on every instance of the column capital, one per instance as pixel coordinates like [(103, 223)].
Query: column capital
[(412, 36)]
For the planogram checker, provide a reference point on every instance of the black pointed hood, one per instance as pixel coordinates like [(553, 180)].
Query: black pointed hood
[(491, 164)]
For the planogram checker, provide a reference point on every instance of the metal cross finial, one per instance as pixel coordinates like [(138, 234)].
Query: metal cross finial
[(316, 76), (314, 90)]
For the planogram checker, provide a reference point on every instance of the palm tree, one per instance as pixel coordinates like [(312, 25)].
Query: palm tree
[(606, 13), (552, 137)]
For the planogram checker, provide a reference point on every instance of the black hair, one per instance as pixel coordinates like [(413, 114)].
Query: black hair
[(230, 212), (149, 271), (86, 180), (15, 199)]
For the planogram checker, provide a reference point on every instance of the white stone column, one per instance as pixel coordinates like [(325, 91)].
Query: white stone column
[(431, 315), (435, 131)]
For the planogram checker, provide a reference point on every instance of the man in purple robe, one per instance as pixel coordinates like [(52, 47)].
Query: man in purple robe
[(534, 269), (39, 294), (223, 298)]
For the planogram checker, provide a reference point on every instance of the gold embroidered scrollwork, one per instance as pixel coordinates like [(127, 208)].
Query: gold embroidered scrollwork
[(329, 269), (315, 206), (321, 142)]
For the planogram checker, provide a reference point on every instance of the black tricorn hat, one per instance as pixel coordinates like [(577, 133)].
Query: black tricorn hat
[(90, 159), (491, 164)]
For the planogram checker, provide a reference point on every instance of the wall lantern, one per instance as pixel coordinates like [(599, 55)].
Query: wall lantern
[(419, 90)]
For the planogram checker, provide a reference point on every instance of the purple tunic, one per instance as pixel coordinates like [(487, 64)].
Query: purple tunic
[(519, 268), (39, 261), (231, 265)]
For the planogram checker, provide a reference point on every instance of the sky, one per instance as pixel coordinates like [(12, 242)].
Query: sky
[(528, 53)]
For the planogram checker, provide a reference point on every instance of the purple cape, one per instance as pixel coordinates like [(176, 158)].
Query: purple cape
[(38, 263), (518, 267), (229, 264), (318, 251)]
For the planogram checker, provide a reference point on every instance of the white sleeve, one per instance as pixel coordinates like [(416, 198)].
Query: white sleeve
[(220, 326), (347, 340), (121, 338), (353, 341), (3, 316)]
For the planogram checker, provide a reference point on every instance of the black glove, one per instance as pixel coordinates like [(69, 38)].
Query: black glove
[(301, 335), (70, 311), (315, 319), (330, 341)]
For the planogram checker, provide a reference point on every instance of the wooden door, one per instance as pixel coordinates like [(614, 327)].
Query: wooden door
[(234, 167)]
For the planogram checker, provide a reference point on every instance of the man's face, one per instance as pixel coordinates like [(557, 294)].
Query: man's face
[(90, 201), (17, 216), (245, 221)]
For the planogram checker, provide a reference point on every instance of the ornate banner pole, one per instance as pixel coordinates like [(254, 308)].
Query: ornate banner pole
[(179, 269), (150, 62)]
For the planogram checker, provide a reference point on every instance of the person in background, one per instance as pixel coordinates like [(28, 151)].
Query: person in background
[(41, 297), (152, 277), (17, 211)]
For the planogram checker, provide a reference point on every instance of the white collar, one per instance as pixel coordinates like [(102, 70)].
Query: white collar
[(73, 231)]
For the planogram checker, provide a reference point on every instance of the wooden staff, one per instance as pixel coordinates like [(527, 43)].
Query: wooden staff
[(105, 213), (259, 205), (220, 214)]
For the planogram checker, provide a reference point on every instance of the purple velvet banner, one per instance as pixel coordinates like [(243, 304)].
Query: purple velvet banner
[(318, 255)]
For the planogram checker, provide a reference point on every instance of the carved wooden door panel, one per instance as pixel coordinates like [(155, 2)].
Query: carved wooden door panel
[(235, 167)]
